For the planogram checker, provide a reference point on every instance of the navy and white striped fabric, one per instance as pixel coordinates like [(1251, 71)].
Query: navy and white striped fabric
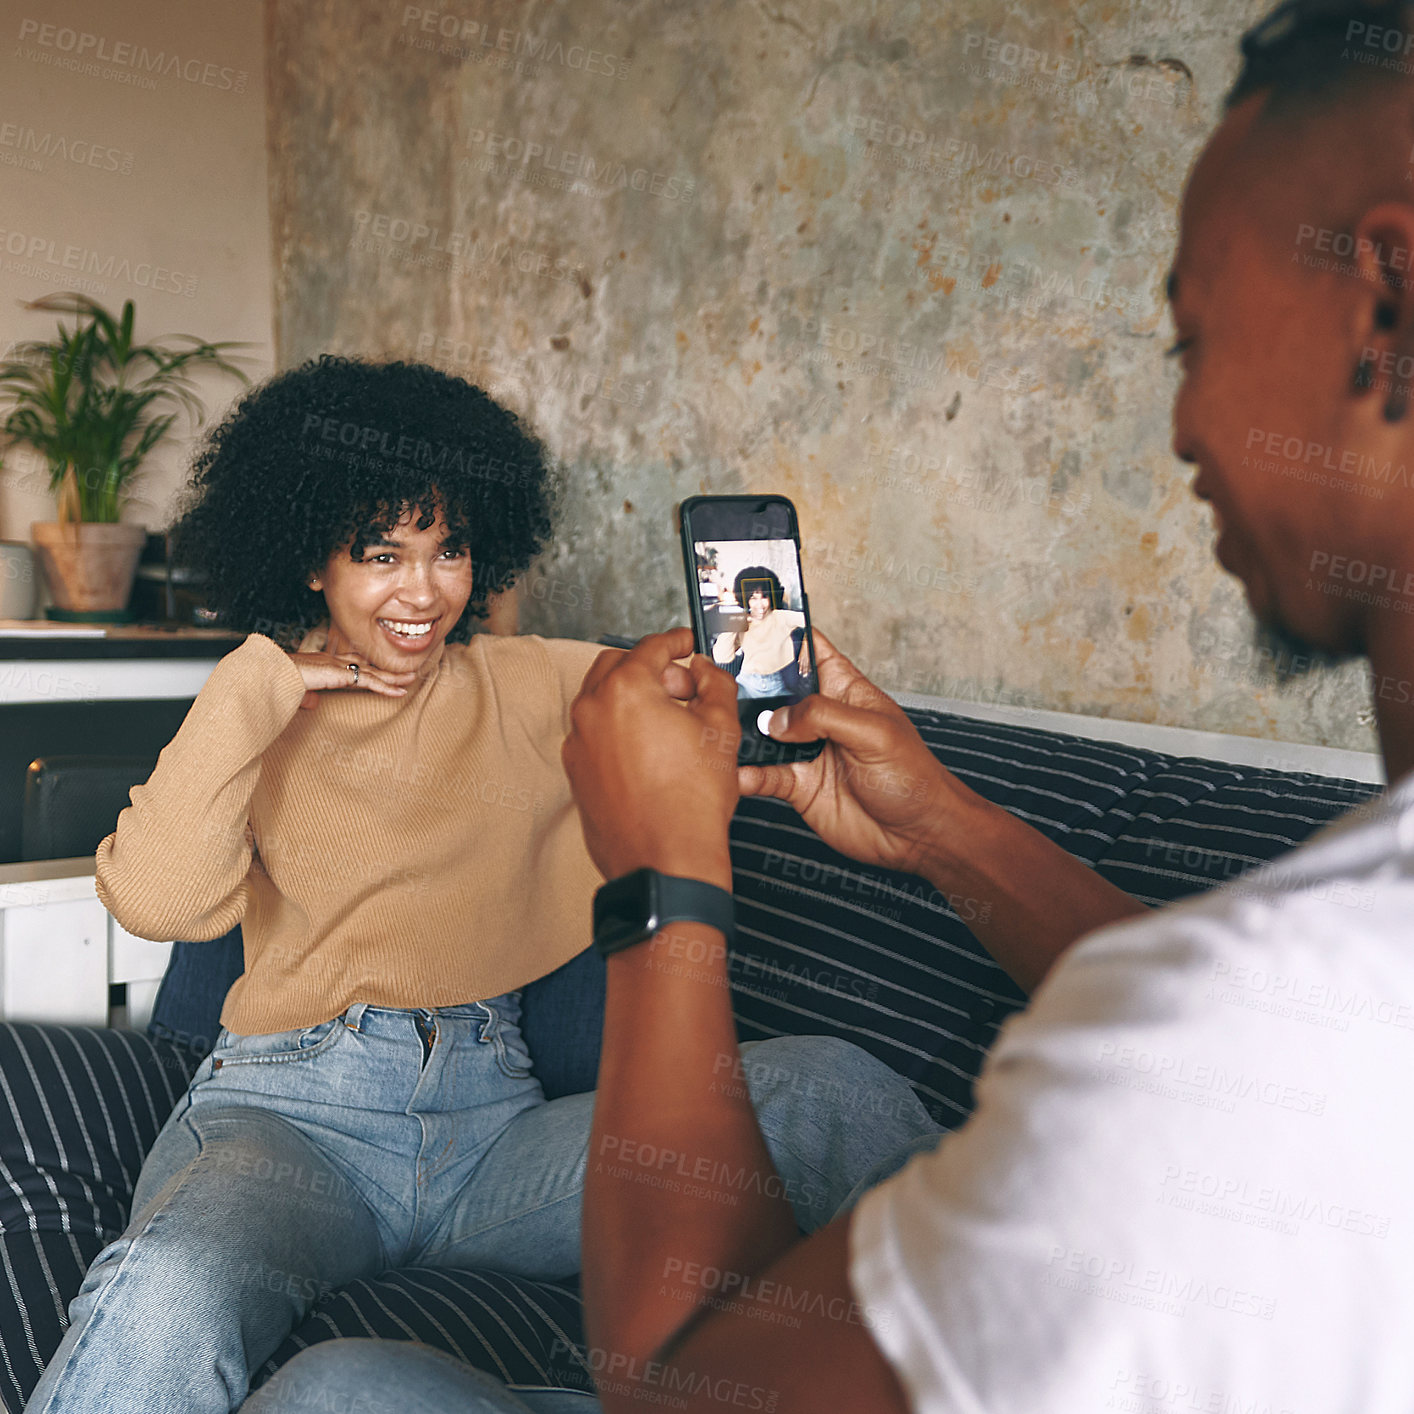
[(827, 946), (824, 946), (523, 1332), (81, 1108)]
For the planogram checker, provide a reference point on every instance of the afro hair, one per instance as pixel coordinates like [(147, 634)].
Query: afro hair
[(757, 579), (330, 455)]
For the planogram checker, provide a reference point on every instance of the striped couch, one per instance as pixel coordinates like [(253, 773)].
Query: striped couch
[(824, 946)]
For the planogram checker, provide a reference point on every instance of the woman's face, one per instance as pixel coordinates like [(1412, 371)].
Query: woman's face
[(402, 599), (758, 603)]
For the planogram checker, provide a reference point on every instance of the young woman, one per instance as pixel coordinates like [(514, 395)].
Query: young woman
[(376, 796), (764, 658)]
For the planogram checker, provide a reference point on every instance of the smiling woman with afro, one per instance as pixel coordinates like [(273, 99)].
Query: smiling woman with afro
[(383, 810), (327, 455)]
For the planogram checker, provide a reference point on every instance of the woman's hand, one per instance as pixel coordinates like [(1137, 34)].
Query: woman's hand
[(329, 672), (876, 793), (651, 759)]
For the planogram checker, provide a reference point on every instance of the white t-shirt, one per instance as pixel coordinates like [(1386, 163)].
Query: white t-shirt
[(1188, 1184)]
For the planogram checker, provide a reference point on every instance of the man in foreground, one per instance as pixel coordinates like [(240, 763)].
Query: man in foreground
[(1067, 1249)]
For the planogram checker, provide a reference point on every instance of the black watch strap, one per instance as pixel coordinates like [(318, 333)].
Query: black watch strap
[(630, 909)]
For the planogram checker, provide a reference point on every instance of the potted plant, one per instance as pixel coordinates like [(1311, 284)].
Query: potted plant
[(93, 403)]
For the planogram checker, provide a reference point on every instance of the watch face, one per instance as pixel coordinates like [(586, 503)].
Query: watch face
[(625, 910)]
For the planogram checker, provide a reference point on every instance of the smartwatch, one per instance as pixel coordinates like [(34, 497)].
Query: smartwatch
[(632, 908)]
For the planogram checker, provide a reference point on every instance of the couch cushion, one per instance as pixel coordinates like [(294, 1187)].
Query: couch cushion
[(187, 1008), (562, 1020), (829, 946), (1194, 825), (523, 1332), (561, 1013), (80, 1109)]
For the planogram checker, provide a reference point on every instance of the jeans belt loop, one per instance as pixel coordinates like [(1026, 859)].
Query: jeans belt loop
[(354, 1015), (488, 1028)]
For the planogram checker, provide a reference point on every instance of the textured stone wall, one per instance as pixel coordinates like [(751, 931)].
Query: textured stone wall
[(901, 262)]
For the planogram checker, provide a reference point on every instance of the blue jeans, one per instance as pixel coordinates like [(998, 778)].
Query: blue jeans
[(301, 1161), (761, 684), (399, 1377)]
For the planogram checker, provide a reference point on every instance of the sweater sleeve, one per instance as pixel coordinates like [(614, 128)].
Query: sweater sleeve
[(176, 866), (571, 658)]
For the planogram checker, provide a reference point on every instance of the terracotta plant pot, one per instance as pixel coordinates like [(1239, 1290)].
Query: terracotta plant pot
[(89, 564)]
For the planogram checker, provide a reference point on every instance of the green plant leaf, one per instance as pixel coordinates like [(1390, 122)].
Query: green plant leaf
[(94, 404)]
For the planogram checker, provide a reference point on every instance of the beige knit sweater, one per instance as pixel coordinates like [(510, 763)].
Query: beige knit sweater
[(412, 851)]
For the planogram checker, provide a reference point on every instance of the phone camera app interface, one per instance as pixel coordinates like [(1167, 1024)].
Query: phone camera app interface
[(754, 613)]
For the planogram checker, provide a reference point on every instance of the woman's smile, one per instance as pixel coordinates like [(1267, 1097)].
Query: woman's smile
[(409, 635)]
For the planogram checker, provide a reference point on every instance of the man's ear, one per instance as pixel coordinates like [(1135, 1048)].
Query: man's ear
[(1384, 259)]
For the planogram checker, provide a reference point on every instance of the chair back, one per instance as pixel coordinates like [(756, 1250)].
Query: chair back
[(73, 802)]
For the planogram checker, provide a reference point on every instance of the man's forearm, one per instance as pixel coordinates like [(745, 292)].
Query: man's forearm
[(678, 1173), (1025, 898)]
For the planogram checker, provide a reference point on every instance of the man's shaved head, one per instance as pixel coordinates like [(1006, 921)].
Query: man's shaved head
[(1293, 292), (1306, 56)]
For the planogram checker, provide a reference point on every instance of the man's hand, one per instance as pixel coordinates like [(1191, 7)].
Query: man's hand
[(651, 759), (876, 793)]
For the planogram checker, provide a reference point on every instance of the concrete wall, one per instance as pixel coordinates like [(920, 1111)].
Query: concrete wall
[(132, 166), (902, 262)]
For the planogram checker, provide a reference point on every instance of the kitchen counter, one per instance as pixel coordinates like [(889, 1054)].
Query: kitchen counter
[(44, 661)]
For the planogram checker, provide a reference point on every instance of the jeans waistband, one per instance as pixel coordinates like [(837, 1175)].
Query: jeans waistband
[(505, 1007)]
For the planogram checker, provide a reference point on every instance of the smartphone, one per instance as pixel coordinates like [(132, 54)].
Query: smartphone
[(749, 611)]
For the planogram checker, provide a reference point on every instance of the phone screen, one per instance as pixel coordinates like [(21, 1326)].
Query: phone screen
[(753, 611)]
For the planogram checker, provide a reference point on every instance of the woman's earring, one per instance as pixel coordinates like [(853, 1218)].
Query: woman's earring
[(1364, 375)]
